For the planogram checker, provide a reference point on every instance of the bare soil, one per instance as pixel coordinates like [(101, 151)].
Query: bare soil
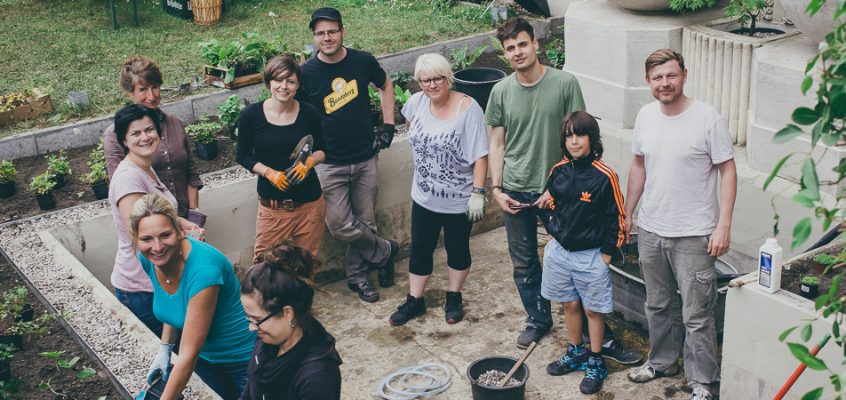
[(32, 372), (22, 204), (790, 279)]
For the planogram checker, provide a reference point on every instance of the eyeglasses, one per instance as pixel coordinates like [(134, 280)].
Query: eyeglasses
[(428, 82), (258, 324), (331, 32)]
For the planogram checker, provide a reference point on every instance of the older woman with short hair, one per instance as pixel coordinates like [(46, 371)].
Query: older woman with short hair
[(449, 143), (142, 79)]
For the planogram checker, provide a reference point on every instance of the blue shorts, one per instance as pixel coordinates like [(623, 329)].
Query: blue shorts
[(576, 275)]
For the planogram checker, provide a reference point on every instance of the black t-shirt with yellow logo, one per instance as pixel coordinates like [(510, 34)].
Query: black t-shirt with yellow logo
[(339, 93)]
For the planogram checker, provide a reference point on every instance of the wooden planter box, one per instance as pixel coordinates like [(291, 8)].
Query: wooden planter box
[(214, 76), (38, 104)]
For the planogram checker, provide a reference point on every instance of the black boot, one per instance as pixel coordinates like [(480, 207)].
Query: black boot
[(453, 307), (410, 308)]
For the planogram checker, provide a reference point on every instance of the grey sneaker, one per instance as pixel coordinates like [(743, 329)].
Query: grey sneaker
[(529, 335), (621, 354), (700, 393), (646, 373)]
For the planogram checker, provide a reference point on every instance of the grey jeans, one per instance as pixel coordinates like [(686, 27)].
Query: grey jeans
[(681, 322), (350, 193)]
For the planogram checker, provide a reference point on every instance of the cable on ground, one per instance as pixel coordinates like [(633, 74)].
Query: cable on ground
[(402, 385)]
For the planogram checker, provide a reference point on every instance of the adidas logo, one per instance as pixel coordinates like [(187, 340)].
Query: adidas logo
[(585, 197)]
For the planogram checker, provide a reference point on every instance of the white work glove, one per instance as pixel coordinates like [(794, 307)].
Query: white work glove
[(476, 207), (161, 364)]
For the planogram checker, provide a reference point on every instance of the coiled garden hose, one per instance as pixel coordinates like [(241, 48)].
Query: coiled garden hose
[(398, 385)]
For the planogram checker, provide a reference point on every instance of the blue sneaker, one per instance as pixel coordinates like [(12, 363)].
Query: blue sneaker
[(595, 374), (575, 359)]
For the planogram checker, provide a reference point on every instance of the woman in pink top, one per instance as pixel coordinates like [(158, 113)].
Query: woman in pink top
[(137, 129)]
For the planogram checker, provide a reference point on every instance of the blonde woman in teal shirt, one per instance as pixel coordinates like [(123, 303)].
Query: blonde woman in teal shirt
[(196, 295)]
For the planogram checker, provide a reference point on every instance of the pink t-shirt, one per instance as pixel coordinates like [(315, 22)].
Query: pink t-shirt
[(127, 179)]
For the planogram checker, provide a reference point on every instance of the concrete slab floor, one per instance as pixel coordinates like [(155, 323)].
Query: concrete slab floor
[(372, 349)]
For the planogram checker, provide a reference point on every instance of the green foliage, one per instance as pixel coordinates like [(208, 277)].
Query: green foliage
[(7, 171), (810, 280), (42, 184), (747, 12), (825, 259), (9, 389), (248, 53), (96, 165), (58, 164), (375, 100), (554, 51), (13, 301), (401, 96), (85, 373), (228, 113), (827, 122), (7, 351), (684, 6), (205, 131), (500, 51), (463, 58), (36, 326), (401, 78)]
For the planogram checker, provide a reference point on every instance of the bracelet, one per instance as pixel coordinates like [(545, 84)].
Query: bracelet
[(496, 187), (479, 190)]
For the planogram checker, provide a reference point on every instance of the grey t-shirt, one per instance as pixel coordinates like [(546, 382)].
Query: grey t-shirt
[(444, 152), (681, 154)]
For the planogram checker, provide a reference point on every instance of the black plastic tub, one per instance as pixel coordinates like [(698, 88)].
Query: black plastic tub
[(478, 82), (504, 364)]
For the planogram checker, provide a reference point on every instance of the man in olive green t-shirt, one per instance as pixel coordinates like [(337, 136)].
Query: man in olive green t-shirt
[(524, 115)]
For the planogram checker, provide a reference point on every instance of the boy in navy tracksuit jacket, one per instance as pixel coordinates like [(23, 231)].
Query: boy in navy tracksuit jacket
[(587, 220)]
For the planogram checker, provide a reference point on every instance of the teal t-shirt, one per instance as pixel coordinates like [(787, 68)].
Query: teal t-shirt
[(229, 339), (532, 119)]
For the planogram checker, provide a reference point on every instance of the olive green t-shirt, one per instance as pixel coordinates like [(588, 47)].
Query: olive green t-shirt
[(532, 118)]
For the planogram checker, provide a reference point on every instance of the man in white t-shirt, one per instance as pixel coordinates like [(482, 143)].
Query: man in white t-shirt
[(680, 146)]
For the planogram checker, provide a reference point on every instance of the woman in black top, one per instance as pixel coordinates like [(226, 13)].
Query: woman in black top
[(291, 204), (294, 357)]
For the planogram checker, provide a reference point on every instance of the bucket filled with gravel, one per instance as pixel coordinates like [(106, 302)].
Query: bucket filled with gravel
[(486, 373)]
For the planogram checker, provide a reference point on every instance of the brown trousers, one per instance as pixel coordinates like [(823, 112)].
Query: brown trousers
[(303, 225)]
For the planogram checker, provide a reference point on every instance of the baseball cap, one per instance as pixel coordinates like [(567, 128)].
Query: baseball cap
[(325, 13)]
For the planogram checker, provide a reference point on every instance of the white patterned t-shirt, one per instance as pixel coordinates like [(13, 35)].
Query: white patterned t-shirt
[(444, 152)]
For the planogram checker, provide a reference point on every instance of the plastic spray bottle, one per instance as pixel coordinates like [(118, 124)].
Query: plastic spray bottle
[(769, 266)]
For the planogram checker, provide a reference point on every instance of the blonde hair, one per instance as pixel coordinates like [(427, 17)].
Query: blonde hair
[(149, 205), (433, 65), (659, 57)]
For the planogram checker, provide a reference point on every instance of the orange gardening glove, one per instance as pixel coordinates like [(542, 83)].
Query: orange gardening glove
[(277, 178), (298, 172)]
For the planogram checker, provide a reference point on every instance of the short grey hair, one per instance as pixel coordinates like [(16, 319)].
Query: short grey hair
[(433, 65)]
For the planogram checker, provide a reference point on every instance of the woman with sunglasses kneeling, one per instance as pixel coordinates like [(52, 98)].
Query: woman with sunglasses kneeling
[(293, 357), (195, 295)]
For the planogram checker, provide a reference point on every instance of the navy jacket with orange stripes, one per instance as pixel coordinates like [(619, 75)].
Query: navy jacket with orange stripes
[(586, 208)]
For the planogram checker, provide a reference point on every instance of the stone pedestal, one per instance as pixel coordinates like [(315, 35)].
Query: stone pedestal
[(606, 49), (777, 72)]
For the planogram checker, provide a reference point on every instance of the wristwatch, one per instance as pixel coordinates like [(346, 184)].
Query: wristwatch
[(479, 190)]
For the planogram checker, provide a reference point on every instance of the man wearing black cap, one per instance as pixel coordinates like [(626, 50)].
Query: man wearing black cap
[(335, 82)]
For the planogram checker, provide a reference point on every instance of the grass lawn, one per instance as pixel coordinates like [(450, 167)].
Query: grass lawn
[(66, 45)]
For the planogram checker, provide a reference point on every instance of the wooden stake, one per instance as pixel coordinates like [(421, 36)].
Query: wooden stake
[(517, 365)]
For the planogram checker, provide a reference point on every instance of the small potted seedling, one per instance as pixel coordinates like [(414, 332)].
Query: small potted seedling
[(204, 134), (59, 167), (43, 185), (14, 304), (401, 97), (809, 286), (822, 261), (96, 176), (7, 179)]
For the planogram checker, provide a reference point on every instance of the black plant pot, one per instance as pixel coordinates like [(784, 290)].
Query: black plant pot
[(26, 315), (5, 370), (7, 189), (60, 181), (809, 291), (14, 340), (206, 151), (45, 201), (477, 83), (101, 190)]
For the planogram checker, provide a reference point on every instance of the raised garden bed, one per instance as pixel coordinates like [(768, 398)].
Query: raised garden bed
[(35, 104), (32, 369)]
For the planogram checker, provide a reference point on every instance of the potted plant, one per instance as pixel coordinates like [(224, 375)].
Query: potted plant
[(747, 12), (97, 176), (7, 179), (822, 261), (237, 63), (59, 167), (810, 286), (204, 134), (43, 185), (474, 82), (375, 106), (400, 97), (14, 304), (554, 51), (228, 113)]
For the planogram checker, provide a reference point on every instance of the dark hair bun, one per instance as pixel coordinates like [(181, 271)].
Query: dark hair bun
[(295, 260)]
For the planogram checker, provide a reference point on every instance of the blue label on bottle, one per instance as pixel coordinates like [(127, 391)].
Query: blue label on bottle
[(765, 270)]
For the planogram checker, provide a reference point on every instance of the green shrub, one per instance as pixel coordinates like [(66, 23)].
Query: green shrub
[(58, 164), (96, 165), (463, 58), (684, 6), (7, 171), (228, 113), (205, 131), (810, 280), (747, 11), (554, 51)]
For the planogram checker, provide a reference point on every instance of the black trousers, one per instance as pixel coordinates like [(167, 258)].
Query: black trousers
[(426, 226)]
